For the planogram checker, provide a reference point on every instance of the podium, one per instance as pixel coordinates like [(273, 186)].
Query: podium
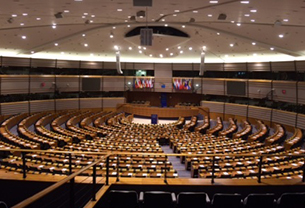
[(154, 118)]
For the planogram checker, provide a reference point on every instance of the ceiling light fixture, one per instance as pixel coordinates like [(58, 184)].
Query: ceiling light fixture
[(23, 37), (244, 2), (111, 35), (253, 43)]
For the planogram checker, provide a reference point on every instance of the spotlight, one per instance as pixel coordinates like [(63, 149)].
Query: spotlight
[(58, 15)]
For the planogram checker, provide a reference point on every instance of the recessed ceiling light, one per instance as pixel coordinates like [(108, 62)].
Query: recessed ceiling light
[(244, 2), (232, 21), (195, 11), (254, 54), (285, 20), (116, 47), (238, 24), (85, 13), (150, 55), (210, 15), (23, 37), (165, 25), (161, 14), (174, 15), (177, 10), (218, 33), (183, 26), (231, 45), (84, 35), (54, 26), (179, 47), (93, 15), (190, 48), (171, 54), (86, 45), (213, 2), (38, 18), (56, 44), (66, 11), (247, 15), (204, 47), (83, 17), (253, 10), (62, 52), (78, 0), (14, 15), (167, 49), (139, 47), (281, 35), (21, 24), (32, 52), (226, 55), (161, 55), (253, 20), (119, 10), (130, 48), (113, 27), (272, 49), (25, 14), (91, 21), (140, 51), (253, 43), (91, 54), (128, 25), (181, 51), (144, 48), (163, 20), (111, 35)]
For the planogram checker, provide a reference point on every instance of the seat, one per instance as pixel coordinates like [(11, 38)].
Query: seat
[(192, 199), (291, 200), (260, 200), (227, 200), (123, 199), (157, 199)]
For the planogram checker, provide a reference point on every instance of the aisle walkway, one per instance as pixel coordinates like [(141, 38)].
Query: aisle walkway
[(182, 173)]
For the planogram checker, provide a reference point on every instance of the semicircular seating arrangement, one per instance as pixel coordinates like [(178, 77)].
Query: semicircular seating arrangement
[(96, 131)]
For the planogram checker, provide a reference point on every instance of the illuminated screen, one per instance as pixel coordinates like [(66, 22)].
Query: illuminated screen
[(182, 84), (143, 83)]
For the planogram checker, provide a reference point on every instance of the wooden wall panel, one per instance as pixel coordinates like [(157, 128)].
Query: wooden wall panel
[(300, 66), (14, 84), (65, 104), (259, 113), (213, 86), (168, 82), (86, 103), (11, 61), (215, 107), (144, 66), (283, 66), (301, 121), (92, 65), (263, 66), (235, 67), (41, 105), (68, 83), (14, 108), (163, 66), (283, 117), (68, 64), (109, 65), (112, 102), (214, 67), (236, 109), (113, 83), (301, 92), (182, 67), (259, 88), (284, 91), (49, 63), (236, 80), (42, 83)]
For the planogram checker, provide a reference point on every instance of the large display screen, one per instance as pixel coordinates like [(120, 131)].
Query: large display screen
[(236, 88), (182, 84), (91, 84), (143, 83)]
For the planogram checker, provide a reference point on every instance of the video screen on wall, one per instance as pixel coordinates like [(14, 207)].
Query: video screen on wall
[(182, 84), (236, 88), (91, 84), (143, 83)]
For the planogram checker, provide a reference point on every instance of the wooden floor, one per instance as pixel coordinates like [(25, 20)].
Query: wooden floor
[(7, 175)]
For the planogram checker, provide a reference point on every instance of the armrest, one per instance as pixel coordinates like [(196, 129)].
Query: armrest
[(174, 199), (141, 197), (207, 198)]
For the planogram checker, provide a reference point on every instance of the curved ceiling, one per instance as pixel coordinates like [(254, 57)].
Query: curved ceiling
[(253, 31)]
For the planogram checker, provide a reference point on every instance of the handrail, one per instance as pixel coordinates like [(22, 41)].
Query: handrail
[(155, 154), (44, 192)]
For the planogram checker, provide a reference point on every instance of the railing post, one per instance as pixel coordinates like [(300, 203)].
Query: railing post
[(23, 165), (303, 179), (94, 183), (260, 169), (213, 170), (117, 169), (72, 200), (70, 163), (107, 171), (165, 171)]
